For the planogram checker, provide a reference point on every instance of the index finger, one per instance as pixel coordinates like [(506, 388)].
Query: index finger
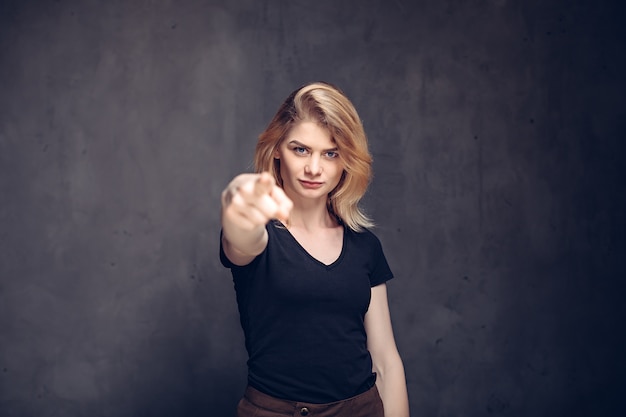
[(264, 184)]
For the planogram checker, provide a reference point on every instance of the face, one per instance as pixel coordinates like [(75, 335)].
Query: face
[(310, 165)]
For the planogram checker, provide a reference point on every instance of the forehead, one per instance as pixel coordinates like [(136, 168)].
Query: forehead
[(311, 134)]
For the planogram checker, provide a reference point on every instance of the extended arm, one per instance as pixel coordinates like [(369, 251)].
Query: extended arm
[(387, 364), (248, 203)]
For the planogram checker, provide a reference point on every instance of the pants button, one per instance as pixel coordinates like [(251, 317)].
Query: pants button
[(304, 411)]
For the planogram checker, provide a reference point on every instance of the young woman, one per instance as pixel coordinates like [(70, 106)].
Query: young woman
[(309, 275)]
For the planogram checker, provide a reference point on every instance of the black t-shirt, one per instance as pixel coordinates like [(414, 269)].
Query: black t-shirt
[(303, 320)]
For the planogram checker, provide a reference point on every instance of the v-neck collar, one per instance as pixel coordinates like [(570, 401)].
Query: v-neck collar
[(313, 258)]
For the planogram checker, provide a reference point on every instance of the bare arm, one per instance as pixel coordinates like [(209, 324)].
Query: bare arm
[(248, 203), (387, 364)]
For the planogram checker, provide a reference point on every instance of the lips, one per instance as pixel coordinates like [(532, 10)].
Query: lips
[(311, 184)]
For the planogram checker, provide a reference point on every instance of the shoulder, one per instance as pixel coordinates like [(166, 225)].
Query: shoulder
[(364, 237), (366, 242)]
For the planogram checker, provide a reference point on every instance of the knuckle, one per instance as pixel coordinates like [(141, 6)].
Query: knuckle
[(237, 200)]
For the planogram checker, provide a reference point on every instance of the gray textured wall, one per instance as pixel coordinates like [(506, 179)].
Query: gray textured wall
[(496, 127)]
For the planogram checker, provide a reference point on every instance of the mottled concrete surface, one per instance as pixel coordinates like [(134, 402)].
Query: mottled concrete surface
[(497, 128)]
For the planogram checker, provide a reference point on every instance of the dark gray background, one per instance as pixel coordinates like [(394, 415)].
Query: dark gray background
[(496, 128)]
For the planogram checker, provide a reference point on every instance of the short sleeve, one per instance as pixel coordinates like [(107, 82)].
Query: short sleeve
[(380, 272)]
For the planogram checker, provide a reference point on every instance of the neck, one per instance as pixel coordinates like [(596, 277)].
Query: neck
[(311, 216)]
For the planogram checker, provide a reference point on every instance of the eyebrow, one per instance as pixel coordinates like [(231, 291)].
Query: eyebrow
[(295, 142)]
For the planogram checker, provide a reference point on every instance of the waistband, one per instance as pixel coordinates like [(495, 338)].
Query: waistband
[(268, 402)]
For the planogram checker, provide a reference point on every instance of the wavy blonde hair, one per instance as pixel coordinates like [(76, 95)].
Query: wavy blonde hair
[(328, 106)]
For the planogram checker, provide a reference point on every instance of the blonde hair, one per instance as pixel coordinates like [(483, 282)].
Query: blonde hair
[(326, 105)]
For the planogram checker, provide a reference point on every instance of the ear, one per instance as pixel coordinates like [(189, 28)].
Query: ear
[(276, 154)]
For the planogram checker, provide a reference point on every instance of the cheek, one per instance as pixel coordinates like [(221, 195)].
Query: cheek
[(338, 174), (288, 164)]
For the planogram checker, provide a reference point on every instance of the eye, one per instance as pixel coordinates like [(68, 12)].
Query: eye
[(332, 154), (299, 150)]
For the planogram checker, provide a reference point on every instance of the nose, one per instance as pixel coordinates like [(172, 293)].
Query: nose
[(314, 166)]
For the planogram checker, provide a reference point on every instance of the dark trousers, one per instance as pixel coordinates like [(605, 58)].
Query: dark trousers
[(256, 404)]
